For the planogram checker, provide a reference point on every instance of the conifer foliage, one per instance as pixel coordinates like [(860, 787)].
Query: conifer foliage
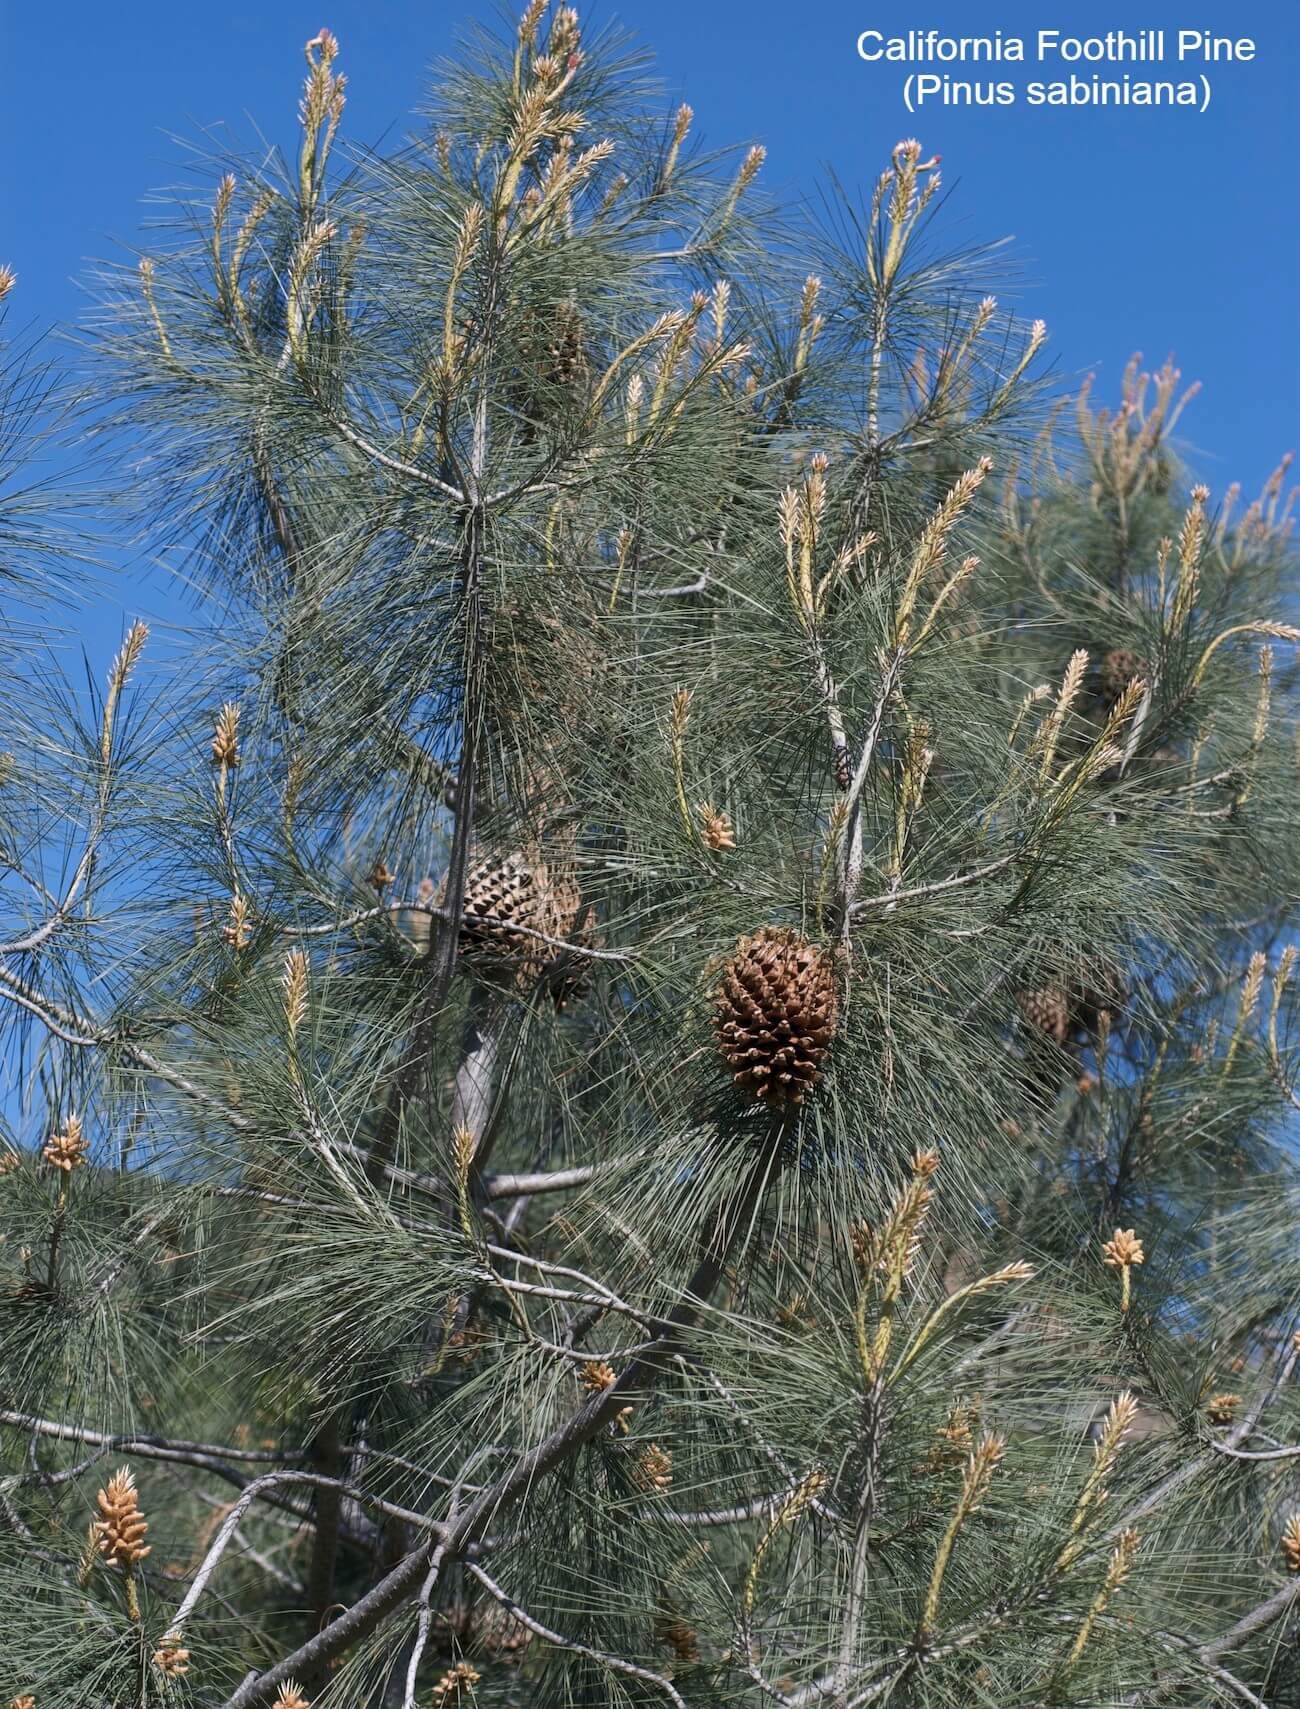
[(658, 1065)]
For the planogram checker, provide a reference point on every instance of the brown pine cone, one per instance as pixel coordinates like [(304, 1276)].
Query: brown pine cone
[(775, 1014), (1118, 669), (1046, 1009), (524, 890), (500, 892)]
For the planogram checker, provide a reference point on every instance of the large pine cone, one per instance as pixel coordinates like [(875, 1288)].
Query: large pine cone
[(522, 889), (501, 892), (775, 1015)]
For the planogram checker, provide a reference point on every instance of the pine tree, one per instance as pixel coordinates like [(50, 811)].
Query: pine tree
[(656, 1065)]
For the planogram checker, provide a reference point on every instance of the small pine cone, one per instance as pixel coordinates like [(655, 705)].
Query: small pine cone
[(1118, 669), (457, 1680), (843, 767), (1222, 1408), (679, 1637), (121, 1527), (171, 1658), (24, 1700), (1291, 1543), (379, 877), (9, 1160), (775, 1015), (1046, 1009), (715, 827), (67, 1150), (653, 1469), (499, 1633), (1123, 1249)]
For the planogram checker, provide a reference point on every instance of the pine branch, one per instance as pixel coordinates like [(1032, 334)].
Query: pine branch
[(530, 1467)]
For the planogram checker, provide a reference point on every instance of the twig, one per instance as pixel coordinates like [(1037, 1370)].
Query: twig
[(260, 1487), (892, 898), (852, 869), (1264, 1614), (156, 1447), (616, 1664), (394, 465)]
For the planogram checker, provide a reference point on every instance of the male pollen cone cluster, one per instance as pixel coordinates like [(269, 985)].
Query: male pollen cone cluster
[(121, 1527), (775, 1014)]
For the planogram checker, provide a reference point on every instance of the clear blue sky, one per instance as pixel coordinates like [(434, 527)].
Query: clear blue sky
[(1136, 229)]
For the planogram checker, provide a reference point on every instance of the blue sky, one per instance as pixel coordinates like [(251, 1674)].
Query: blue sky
[(1159, 230)]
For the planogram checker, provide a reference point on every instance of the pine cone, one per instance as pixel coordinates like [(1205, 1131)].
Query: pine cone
[(171, 1658), (652, 1470), (500, 892), (1118, 669), (566, 361), (1222, 1408), (679, 1636), (776, 1013), (452, 1686), (499, 1634), (67, 1150), (522, 889), (1046, 1009), (596, 1376)]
